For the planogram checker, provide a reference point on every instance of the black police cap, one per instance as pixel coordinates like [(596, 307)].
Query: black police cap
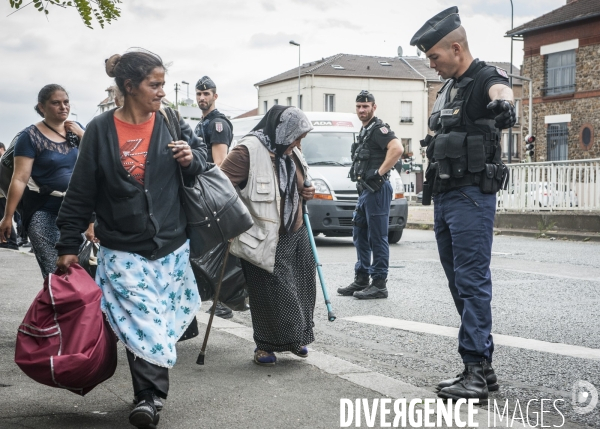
[(436, 29), (364, 97), (205, 83)]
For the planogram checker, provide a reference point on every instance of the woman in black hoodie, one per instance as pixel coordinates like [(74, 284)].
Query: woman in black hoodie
[(128, 174)]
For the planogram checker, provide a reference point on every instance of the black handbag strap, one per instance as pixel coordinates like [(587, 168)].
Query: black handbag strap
[(172, 122)]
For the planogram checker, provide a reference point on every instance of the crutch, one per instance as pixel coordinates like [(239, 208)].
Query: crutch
[(330, 314), (200, 360)]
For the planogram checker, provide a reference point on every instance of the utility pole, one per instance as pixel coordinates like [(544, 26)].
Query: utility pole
[(177, 88), (298, 44), (510, 136)]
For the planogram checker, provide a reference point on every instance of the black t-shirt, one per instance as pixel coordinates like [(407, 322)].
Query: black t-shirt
[(380, 137), (480, 98), (214, 130)]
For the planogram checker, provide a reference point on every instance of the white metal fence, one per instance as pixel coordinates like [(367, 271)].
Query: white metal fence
[(555, 185)]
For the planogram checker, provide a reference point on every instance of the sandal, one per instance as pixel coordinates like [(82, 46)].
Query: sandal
[(262, 357), (303, 352), (144, 415)]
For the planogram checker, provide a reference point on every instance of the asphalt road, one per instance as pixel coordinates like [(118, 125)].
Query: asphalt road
[(546, 294)]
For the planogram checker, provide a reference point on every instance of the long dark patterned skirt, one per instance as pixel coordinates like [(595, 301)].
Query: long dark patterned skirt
[(282, 303)]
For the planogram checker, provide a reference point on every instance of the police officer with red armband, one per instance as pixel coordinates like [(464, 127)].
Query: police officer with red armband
[(465, 171), (373, 156)]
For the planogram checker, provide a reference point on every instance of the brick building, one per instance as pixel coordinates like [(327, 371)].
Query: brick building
[(562, 56)]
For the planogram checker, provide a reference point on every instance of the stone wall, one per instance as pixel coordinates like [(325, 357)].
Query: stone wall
[(583, 105)]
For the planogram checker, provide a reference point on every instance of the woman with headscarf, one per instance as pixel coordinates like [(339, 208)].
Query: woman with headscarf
[(269, 170)]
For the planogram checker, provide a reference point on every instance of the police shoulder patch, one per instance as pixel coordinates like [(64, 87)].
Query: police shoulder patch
[(218, 126), (384, 130), (502, 72)]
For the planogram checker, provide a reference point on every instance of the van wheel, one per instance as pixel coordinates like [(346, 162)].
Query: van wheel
[(394, 236)]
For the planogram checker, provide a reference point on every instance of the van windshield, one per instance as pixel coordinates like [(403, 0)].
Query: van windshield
[(327, 148)]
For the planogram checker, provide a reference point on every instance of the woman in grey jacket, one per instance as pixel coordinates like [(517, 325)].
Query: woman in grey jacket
[(128, 174)]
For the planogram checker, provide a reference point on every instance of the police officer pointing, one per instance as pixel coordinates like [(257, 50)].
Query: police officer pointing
[(373, 156), (217, 132), (215, 128), (465, 171)]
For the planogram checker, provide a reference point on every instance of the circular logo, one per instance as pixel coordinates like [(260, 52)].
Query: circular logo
[(584, 397)]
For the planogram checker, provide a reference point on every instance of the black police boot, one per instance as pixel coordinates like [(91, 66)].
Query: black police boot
[(375, 291), (490, 378), (473, 385), (222, 311), (361, 281)]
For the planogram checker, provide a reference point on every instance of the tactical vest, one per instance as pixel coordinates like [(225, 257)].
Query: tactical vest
[(203, 131), (363, 157), (462, 152)]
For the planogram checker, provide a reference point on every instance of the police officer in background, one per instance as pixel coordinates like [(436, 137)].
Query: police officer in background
[(214, 128), (465, 171), (217, 132), (373, 156)]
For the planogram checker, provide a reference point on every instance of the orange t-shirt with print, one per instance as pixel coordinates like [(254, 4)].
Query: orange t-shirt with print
[(134, 140)]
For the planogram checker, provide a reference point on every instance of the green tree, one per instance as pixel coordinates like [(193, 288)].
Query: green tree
[(104, 11)]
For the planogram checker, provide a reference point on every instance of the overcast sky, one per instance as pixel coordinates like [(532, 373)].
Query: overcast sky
[(235, 42)]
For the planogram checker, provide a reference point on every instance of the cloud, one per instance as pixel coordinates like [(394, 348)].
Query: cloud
[(268, 6), (338, 23), (23, 45), (263, 40), (142, 10), (319, 4)]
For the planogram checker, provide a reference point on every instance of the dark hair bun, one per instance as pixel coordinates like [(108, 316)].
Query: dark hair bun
[(111, 63)]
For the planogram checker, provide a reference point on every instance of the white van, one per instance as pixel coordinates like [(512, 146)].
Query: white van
[(327, 151)]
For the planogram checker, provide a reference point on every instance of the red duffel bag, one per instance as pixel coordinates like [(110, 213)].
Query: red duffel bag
[(64, 340)]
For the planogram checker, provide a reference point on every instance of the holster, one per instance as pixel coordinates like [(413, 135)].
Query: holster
[(493, 178)]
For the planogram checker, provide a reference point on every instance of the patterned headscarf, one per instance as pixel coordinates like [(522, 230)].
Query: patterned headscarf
[(278, 129)]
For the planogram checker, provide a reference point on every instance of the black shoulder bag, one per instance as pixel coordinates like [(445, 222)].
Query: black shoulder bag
[(215, 213)]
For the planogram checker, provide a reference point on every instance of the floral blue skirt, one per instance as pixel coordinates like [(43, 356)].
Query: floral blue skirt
[(149, 304)]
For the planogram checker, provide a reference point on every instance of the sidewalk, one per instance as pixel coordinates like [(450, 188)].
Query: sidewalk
[(421, 217), (228, 391)]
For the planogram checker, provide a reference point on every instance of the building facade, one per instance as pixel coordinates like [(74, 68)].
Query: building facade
[(562, 56), (401, 86)]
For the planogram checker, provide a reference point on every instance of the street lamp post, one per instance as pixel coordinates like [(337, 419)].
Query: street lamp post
[(188, 88), (510, 136), (297, 44)]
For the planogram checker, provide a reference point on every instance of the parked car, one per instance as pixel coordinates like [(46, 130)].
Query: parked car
[(327, 151), (552, 195)]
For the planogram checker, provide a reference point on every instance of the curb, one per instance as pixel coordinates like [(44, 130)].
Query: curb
[(557, 235), (422, 226), (562, 235)]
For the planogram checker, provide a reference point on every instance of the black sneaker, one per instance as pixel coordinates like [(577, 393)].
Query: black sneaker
[(8, 245), (144, 415), (158, 402), (361, 281), (376, 290), (222, 311)]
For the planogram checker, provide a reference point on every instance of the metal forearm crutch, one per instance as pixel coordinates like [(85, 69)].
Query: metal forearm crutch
[(330, 314)]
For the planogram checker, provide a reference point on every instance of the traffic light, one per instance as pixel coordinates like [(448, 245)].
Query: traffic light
[(530, 145)]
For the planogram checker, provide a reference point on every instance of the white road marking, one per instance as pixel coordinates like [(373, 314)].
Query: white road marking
[(499, 339)]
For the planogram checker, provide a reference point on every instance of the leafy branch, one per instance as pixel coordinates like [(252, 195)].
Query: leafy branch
[(103, 11)]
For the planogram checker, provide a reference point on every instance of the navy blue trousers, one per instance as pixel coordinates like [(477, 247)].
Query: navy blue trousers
[(464, 230), (370, 232)]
